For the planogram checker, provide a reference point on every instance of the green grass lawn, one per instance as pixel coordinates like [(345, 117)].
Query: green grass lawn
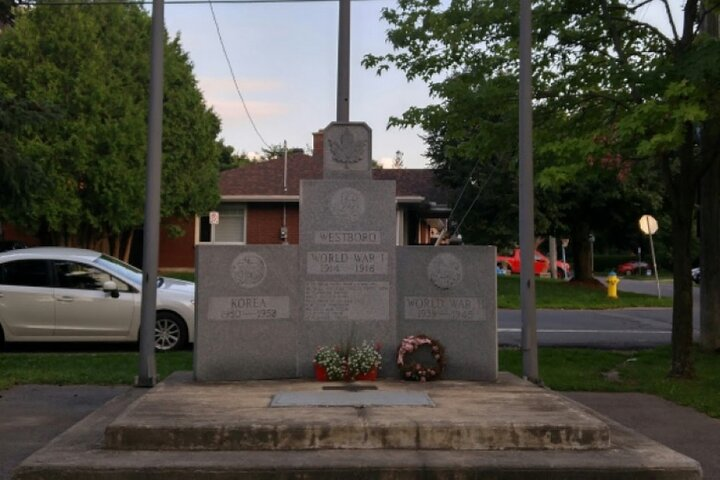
[(560, 294), (189, 276), (644, 371), (116, 368), (562, 369)]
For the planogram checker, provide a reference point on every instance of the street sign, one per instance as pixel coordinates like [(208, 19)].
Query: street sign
[(214, 218), (648, 224)]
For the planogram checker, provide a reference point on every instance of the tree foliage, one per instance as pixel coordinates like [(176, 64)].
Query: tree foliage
[(89, 66), (617, 107), (229, 159)]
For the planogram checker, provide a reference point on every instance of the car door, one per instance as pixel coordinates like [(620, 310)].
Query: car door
[(83, 311), (27, 305)]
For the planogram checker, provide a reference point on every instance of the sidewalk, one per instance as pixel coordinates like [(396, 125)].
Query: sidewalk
[(34, 414)]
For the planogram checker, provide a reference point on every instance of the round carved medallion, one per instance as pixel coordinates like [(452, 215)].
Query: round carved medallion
[(347, 204), (445, 270), (248, 270)]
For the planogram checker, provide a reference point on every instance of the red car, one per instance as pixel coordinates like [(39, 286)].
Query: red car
[(633, 267), (542, 264)]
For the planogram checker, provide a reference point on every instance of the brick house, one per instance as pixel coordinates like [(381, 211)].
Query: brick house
[(260, 205)]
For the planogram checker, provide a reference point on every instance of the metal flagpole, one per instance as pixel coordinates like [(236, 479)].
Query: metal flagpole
[(147, 376), (527, 216), (343, 86)]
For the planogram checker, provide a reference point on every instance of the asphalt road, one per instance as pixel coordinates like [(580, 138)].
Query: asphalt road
[(622, 328)]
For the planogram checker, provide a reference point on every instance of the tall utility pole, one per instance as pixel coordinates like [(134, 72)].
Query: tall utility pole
[(527, 202), (147, 376), (710, 231), (343, 86)]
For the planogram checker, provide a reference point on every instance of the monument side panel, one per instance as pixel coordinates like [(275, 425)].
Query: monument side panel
[(246, 312), (347, 266), (450, 294)]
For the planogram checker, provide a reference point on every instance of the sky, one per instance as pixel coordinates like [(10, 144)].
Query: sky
[(284, 56)]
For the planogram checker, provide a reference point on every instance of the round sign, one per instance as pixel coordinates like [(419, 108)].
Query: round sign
[(648, 224), (248, 269), (445, 270)]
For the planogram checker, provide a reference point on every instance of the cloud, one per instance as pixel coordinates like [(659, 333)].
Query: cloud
[(220, 93), (222, 86), (230, 111), (386, 162)]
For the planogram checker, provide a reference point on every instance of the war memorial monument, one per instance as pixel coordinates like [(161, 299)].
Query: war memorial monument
[(251, 409)]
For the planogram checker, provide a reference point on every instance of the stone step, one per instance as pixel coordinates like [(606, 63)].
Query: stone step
[(458, 415), (79, 454)]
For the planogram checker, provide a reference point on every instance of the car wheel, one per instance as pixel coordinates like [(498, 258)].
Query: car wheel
[(170, 332)]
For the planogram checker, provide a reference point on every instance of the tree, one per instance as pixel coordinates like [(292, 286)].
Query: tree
[(710, 235), (615, 98), (278, 150), (7, 12), (90, 65), (229, 159), (398, 160)]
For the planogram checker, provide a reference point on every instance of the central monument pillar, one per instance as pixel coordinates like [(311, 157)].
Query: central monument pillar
[(347, 249)]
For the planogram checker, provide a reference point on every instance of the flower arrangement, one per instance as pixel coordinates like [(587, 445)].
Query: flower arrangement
[(348, 363), (413, 370), (362, 359), (330, 359)]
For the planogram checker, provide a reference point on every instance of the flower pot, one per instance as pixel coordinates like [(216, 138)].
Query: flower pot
[(320, 373), (370, 376)]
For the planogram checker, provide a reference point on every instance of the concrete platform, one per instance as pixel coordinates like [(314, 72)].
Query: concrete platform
[(81, 453), (510, 414)]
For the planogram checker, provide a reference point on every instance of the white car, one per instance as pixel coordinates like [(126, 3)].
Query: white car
[(56, 294)]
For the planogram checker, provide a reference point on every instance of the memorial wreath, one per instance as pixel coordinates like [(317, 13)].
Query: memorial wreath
[(413, 370)]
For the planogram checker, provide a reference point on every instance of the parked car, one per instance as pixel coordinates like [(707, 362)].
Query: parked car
[(511, 264), (633, 267), (695, 274), (55, 294), (6, 245)]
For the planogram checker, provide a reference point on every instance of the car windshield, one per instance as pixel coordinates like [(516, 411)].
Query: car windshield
[(120, 268)]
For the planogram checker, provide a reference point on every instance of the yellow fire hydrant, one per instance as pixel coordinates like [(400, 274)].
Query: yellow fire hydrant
[(612, 283)]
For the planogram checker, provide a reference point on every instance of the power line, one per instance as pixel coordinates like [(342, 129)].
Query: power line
[(232, 73), (462, 192), (480, 190)]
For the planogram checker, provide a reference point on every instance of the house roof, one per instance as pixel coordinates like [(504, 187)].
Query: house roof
[(263, 181)]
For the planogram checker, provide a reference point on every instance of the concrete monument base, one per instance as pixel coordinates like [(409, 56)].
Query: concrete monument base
[(505, 430)]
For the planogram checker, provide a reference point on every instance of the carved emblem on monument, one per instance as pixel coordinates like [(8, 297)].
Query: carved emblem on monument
[(347, 204), (248, 270), (348, 149), (445, 271)]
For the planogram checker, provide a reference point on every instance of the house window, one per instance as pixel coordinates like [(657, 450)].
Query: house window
[(231, 228)]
